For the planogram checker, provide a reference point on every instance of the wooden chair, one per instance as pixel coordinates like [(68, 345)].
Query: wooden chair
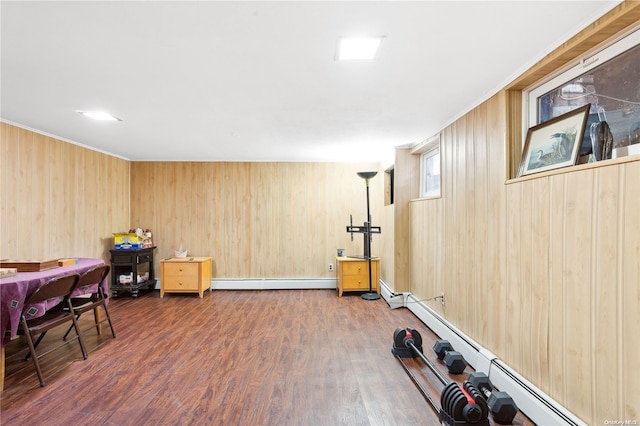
[(82, 304), (33, 324)]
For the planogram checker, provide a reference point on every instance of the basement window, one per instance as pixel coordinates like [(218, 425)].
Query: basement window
[(609, 80), (430, 181), (389, 186), (430, 173)]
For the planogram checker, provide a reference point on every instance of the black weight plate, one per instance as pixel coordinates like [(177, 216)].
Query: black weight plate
[(445, 397), (455, 394), (398, 337), (458, 406), (416, 337)]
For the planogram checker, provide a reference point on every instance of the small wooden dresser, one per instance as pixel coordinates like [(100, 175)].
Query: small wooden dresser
[(353, 274), (185, 275)]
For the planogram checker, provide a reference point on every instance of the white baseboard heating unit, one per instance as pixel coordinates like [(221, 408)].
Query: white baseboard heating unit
[(532, 401), (273, 284)]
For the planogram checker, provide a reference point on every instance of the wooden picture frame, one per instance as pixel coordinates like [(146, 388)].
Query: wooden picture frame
[(555, 143)]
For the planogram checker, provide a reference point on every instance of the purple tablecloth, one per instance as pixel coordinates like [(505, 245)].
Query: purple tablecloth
[(15, 290)]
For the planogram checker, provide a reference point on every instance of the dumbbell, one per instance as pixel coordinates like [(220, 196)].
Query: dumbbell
[(454, 360), (500, 404), (458, 405)]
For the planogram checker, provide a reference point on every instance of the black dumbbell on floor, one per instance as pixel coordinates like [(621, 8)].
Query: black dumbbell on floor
[(458, 406), (500, 404), (454, 360)]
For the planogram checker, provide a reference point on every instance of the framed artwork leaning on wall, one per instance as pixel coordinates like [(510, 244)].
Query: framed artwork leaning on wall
[(554, 143)]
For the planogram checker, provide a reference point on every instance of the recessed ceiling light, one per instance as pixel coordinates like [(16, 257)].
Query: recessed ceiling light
[(99, 115), (357, 48)]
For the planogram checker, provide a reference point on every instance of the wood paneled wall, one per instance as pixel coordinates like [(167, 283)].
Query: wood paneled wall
[(58, 199), (543, 272), (257, 220), (575, 239)]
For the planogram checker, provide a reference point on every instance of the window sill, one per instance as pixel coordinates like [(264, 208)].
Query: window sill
[(578, 168), (432, 197)]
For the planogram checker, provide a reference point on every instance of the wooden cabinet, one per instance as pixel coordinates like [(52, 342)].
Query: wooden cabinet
[(185, 275), (127, 263), (353, 274)]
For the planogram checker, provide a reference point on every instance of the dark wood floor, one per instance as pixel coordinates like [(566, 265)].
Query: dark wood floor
[(286, 357)]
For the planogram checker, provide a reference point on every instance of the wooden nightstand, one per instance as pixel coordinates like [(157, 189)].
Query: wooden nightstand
[(185, 275), (353, 274)]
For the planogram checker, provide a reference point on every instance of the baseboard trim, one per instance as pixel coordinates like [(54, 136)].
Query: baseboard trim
[(273, 284), (532, 401), (394, 300)]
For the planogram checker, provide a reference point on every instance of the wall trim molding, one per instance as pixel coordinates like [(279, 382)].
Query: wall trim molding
[(61, 139)]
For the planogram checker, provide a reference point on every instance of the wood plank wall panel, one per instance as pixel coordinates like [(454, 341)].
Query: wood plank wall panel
[(496, 234), (543, 272), (58, 199), (387, 239), (607, 232), (627, 373), (257, 220), (406, 188)]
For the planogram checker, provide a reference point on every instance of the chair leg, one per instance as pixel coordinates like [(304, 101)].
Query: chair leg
[(32, 351), (35, 345), (113, 331), (82, 347), (97, 320), (69, 330)]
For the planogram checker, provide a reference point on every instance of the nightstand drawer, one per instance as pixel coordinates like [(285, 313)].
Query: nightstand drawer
[(181, 270), (358, 268), (355, 282), (177, 283), (124, 258), (355, 268)]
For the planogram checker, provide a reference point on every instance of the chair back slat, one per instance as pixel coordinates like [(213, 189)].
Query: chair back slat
[(94, 276), (56, 287)]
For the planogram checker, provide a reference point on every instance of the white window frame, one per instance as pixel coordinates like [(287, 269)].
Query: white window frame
[(425, 170), (530, 98)]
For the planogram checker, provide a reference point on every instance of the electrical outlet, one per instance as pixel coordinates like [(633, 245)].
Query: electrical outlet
[(442, 298), (330, 267)]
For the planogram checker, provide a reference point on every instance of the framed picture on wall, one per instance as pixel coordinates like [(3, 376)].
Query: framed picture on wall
[(554, 143)]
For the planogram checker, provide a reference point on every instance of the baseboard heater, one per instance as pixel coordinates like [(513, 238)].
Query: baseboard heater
[(270, 284), (273, 284), (532, 401)]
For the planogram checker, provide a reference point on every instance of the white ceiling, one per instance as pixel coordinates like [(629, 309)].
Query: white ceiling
[(257, 81)]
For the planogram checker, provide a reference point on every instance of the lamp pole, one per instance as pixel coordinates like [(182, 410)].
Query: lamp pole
[(370, 295)]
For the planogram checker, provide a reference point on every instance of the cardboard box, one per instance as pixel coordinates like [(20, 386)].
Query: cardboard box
[(126, 241), (67, 262)]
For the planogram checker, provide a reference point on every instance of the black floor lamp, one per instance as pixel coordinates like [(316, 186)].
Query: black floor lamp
[(370, 295)]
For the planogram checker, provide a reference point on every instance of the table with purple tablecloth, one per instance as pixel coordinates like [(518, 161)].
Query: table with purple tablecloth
[(15, 290)]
